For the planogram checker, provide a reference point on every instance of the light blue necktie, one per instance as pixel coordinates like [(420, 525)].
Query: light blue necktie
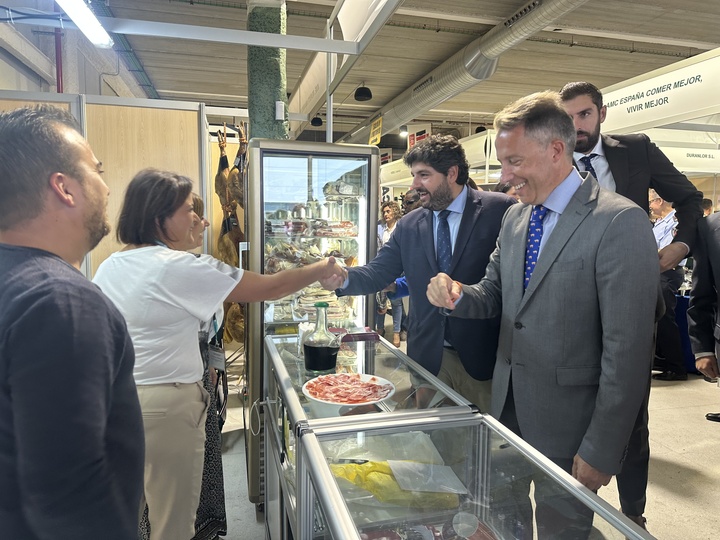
[(535, 232), (444, 242)]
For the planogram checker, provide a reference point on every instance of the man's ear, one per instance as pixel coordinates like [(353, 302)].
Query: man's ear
[(558, 149), (61, 187), (452, 174), (603, 113)]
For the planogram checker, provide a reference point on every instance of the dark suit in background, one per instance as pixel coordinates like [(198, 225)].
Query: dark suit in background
[(703, 316), (411, 249), (638, 165)]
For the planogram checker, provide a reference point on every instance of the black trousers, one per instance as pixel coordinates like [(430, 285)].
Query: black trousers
[(668, 347)]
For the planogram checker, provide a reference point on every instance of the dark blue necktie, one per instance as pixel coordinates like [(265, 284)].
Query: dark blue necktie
[(444, 243), (587, 162), (535, 232)]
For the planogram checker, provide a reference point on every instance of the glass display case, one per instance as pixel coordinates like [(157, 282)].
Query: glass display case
[(289, 410), (306, 201), (441, 479), (421, 464)]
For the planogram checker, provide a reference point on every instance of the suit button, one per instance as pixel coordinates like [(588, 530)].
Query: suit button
[(518, 326)]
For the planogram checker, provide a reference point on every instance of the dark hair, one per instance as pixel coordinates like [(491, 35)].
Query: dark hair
[(581, 88), (543, 118), (151, 198), (502, 187), (440, 152), (31, 149), (706, 204)]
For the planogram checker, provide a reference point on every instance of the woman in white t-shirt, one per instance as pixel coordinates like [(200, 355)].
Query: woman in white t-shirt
[(165, 293)]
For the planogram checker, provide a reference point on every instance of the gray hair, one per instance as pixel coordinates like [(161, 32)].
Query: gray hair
[(542, 116)]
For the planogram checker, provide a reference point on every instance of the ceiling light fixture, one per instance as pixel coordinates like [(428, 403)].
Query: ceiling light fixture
[(86, 22), (317, 121), (403, 131), (363, 93)]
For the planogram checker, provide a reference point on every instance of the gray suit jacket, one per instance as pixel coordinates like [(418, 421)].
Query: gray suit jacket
[(702, 314), (578, 341)]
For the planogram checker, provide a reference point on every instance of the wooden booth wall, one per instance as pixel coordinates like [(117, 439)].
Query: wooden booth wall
[(127, 139), (10, 104)]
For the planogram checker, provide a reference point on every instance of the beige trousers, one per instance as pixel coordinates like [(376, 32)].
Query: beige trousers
[(454, 375), (174, 421)]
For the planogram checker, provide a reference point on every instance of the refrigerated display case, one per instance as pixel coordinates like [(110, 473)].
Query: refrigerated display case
[(289, 410), (451, 478), (421, 464), (306, 201)]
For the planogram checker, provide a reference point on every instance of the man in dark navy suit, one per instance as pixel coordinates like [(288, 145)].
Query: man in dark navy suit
[(630, 165), (460, 352)]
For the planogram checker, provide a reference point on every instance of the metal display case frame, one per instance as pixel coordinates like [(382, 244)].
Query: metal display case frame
[(302, 495), (287, 419)]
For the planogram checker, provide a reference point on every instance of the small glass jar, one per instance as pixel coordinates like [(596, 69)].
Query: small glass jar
[(320, 347)]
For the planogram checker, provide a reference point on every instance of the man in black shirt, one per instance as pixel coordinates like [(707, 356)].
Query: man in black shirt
[(71, 438)]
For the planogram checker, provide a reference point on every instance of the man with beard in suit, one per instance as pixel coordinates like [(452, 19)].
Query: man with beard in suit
[(455, 230), (630, 165)]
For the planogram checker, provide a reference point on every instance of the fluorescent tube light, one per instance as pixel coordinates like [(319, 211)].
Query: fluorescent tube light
[(86, 21)]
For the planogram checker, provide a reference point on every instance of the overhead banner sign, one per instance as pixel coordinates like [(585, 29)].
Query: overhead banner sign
[(376, 131), (674, 95)]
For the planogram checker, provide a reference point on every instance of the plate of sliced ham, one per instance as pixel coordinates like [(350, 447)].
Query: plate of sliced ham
[(345, 389)]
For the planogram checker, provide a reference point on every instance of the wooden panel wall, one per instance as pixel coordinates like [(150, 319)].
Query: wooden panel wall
[(128, 139), (10, 104)]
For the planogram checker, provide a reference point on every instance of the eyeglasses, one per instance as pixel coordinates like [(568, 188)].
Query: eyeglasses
[(405, 203)]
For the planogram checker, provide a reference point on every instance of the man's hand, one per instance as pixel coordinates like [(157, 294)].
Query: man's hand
[(588, 475), (708, 366), (671, 255), (443, 292), (390, 288), (332, 275)]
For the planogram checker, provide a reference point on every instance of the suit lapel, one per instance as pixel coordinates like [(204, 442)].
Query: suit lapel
[(617, 158), (516, 244), (426, 238), (573, 215), (473, 208)]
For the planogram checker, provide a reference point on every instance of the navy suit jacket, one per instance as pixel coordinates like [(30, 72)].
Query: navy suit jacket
[(411, 249), (637, 165)]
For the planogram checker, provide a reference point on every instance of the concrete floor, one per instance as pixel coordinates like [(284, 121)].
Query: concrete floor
[(684, 490)]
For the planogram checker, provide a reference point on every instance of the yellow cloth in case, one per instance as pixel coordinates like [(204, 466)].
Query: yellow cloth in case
[(377, 478)]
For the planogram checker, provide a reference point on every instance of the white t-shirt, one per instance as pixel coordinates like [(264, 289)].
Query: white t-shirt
[(164, 296)]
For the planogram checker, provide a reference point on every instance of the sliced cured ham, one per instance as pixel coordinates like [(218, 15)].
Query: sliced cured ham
[(349, 389)]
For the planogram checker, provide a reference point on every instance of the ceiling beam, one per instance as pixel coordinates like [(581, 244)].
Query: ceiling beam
[(226, 35)]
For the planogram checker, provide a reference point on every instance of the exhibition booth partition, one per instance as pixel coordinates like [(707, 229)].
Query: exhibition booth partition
[(128, 135)]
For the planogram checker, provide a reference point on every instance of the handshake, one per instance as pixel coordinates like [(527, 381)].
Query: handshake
[(332, 275)]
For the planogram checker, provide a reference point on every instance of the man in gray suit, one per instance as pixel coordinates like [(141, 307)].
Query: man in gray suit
[(577, 315)]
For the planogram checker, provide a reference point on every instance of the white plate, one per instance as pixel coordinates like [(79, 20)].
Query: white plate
[(325, 408)]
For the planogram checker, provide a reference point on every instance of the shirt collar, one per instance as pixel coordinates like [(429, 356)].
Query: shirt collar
[(458, 204), (560, 197), (597, 149)]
